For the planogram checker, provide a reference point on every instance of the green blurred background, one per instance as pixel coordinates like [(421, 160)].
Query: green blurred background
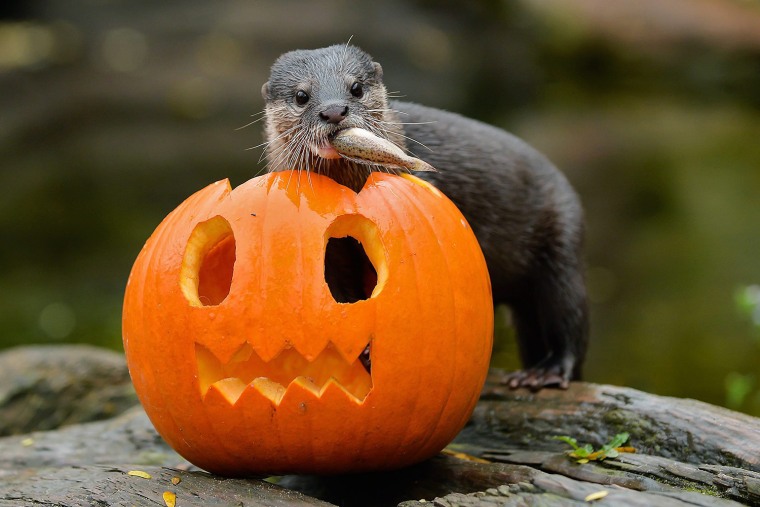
[(113, 111)]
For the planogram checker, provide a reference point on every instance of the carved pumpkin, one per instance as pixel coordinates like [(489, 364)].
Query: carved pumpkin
[(245, 361)]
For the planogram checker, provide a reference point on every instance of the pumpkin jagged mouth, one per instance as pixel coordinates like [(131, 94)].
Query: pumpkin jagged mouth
[(246, 370)]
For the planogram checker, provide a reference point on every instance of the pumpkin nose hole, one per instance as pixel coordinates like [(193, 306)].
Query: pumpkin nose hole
[(355, 262), (208, 263)]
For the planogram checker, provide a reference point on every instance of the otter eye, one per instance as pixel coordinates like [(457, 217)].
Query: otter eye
[(357, 90), (302, 97)]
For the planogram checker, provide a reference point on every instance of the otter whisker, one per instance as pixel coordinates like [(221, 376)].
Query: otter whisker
[(285, 133), (378, 127), (261, 171), (417, 142), (293, 154), (308, 178), (269, 142), (265, 143), (290, 178), (261, 115), (281, 159), (278, 155), (301, 156), (289, 157), (408, 122), (408, 138), (344, 57), (396, 112), (293, 160)]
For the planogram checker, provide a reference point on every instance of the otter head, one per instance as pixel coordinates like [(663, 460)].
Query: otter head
[(311, 95)]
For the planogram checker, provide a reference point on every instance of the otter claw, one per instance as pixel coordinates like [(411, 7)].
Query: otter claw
[(536, 379)]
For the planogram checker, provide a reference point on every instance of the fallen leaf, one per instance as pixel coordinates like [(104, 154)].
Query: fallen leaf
[(27, 442), (596, 496), (176, 480), (170, 499), (464, 456), (139, 473)]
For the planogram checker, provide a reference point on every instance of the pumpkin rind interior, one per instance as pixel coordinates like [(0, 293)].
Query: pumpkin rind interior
[(208, 263)]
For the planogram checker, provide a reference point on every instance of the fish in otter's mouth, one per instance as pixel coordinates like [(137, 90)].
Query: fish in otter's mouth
[(364, 147)]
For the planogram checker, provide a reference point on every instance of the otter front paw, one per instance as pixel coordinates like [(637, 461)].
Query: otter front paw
[(538, 377)]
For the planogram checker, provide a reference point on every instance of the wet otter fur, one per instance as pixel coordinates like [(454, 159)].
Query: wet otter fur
[(526, 216)]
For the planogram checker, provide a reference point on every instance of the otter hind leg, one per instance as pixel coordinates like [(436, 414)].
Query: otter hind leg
[(551, 320)]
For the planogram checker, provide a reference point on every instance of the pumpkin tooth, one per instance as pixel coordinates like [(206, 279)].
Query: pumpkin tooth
[(210, 369), (358, 397), (229, 388), (269, 388), (307, 384)]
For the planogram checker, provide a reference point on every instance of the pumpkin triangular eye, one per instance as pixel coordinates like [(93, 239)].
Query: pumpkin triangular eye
[(208, 263)]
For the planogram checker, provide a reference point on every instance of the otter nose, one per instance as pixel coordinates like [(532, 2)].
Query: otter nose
[(334, 113)]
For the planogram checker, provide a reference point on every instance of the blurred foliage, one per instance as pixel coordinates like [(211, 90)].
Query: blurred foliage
[(115, 111), (742, 392)]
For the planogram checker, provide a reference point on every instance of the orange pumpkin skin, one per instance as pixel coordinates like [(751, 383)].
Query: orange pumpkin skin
[(189, 320)]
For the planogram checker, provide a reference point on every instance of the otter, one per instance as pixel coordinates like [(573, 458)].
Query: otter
[(523, 211)]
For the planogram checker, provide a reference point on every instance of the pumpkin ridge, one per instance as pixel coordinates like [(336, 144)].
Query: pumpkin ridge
[(451, 215), (195, 206), (387, 193), (414, 194), (270, 215), (410, 193)]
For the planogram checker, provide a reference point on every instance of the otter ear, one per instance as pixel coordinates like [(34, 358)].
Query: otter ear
[(265, 91), (378, 71)]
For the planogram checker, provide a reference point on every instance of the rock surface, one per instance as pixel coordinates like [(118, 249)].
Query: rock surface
[(688, 453), (113, 485), (46, 387)]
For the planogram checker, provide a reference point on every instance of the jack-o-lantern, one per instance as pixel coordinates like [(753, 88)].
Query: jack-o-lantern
[(293, 325)]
